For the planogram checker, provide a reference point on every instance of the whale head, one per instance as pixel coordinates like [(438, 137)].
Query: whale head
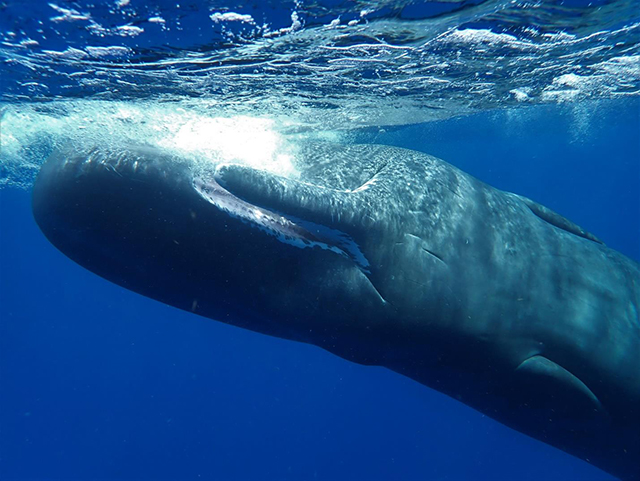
[(295, 258)]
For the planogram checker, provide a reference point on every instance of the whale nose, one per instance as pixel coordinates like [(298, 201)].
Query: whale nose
[(106, 209), (64, 199)]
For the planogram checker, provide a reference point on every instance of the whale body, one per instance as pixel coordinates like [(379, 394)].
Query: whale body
[(383, 256)]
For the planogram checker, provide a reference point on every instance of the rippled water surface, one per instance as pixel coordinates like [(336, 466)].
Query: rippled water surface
[(146, 70)]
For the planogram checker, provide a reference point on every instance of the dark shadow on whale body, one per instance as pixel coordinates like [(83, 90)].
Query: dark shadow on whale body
[(382, 256)]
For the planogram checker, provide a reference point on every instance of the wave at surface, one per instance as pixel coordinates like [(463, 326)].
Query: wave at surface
[(192, 131), (332, 64)]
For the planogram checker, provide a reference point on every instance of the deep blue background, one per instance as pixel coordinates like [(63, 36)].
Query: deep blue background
[(97, 382)]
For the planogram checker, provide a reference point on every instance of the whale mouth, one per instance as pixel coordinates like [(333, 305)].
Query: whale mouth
[(286, 229), (104, 190)]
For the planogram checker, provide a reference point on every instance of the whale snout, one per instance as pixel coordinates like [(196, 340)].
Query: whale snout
[(114, 212), (145, 221)]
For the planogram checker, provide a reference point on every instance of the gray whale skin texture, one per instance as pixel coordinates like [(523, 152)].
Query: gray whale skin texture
[(383, 256)]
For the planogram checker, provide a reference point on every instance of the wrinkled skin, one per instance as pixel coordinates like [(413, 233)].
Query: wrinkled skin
[(383, 256)]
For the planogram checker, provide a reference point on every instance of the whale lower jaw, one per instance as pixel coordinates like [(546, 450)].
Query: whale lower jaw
[(286, 229)]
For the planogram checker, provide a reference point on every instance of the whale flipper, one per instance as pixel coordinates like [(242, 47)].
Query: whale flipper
[(559, 382)]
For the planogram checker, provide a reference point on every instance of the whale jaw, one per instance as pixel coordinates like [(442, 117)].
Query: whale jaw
[(144, 221)]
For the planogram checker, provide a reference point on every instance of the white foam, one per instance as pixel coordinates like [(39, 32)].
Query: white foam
[(231, 17), (239, 139), (569, 80), (129, 30), (521, 95), (68, 14), (113, 51), (471, 35), (70, 53), (195, 132)]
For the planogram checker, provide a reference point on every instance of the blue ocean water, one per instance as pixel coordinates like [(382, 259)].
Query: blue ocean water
[(97, 382)]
